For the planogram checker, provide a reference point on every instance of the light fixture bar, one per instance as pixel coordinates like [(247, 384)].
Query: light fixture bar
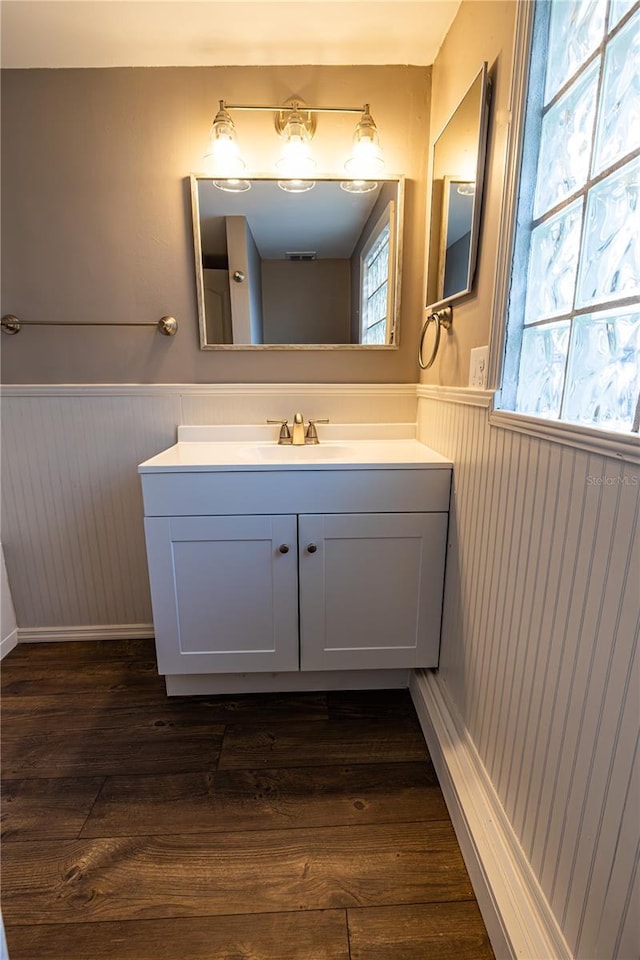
[(282, 108)]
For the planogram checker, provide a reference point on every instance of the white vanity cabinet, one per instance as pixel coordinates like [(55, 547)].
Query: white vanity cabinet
[(224, 594), (371, 591), (307, 571)]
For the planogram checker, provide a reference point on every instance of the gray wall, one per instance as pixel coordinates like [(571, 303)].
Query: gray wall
[(96, 221), (480, 31), (320, 287)]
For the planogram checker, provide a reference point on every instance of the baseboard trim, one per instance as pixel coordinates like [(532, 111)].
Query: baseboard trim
[(8, 643), (516, 913), (110, 631)]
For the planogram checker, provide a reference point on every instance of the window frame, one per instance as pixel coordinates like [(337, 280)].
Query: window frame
[(608, 442)]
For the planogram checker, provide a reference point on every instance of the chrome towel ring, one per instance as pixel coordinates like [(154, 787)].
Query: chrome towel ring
[(442, 318)]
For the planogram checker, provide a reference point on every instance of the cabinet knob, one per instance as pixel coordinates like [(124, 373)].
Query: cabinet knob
[(312, 547), (284, 548)]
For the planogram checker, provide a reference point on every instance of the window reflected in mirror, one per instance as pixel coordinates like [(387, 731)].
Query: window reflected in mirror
[(279, 269)]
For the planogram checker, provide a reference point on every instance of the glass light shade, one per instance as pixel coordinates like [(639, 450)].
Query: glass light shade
[(222, 156), (358, 186), (232, 185), (296, 185), (366, 160)]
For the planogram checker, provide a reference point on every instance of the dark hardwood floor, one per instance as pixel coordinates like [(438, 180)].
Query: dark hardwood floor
[(256, 827)]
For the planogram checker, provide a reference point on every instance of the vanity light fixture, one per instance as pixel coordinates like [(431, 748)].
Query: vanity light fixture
[(295, 124)]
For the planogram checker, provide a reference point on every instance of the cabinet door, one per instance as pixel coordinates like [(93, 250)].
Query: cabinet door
[(224, 595), (371, 590)]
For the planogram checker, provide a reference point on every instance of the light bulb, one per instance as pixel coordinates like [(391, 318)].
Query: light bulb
[(296, 158)]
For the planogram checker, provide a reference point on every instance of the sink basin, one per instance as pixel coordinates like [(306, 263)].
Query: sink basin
[(287, 453)]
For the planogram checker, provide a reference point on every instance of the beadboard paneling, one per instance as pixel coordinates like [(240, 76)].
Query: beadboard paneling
[(72, 507), (9, 627), (539, 656)]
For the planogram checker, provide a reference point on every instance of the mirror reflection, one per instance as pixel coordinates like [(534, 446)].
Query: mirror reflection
[(458, 167), (280, 269)]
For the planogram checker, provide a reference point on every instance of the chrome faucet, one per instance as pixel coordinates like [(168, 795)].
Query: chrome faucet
[(298, 437)]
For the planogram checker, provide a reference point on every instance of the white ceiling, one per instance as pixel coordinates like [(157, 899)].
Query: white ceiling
[(326, 219), (120, 33)]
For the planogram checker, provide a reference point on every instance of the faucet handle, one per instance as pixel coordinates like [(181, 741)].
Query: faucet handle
[(285, 433), (312, 434)]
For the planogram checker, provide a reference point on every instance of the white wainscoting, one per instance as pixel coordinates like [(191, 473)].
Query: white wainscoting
[(72, 507), (517, 915), (539, 664)]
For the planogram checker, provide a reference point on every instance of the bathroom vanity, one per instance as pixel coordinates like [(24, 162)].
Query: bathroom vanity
[(281, 568)]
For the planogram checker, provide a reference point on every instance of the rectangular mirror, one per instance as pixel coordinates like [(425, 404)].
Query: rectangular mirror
[(456, 198), (276, 269)]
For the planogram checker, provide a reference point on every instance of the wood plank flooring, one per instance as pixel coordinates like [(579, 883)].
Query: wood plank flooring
[(257, 827)]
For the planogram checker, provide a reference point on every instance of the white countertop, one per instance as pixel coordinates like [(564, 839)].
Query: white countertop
[(341, 447)]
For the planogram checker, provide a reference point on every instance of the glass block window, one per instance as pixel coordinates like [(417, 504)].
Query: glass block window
[(544, 353), (374, 295), (573, 335)]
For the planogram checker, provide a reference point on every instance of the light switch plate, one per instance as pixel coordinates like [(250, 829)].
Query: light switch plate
[(478, 368)]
